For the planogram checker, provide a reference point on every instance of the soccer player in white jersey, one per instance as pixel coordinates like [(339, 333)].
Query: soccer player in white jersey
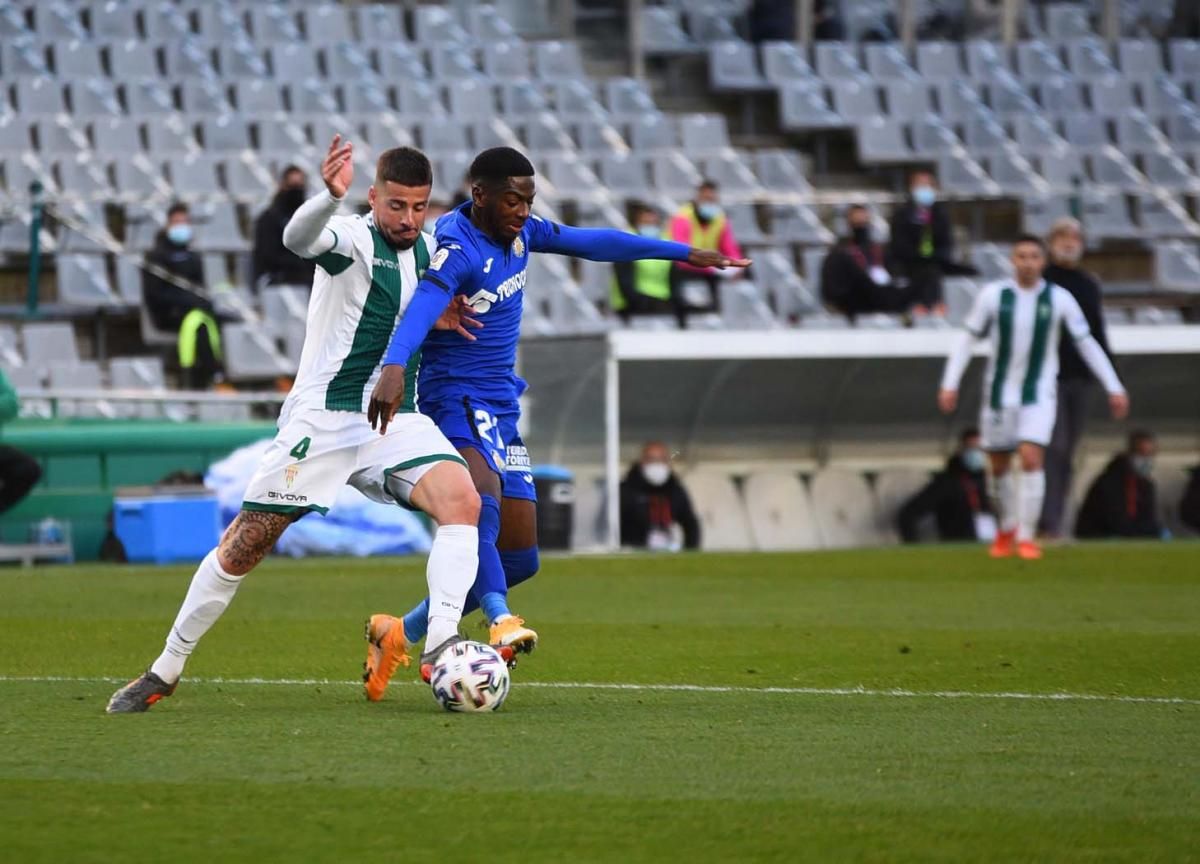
[(1022, 317), (367, 270)]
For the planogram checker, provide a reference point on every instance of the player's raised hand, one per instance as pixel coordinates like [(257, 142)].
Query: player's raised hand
[(337, 169), (1118, 405), (947, 401), (458, 316), (712, 258), (386, 397)]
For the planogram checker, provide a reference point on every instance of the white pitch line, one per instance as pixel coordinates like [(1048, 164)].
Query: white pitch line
[(896, 692)]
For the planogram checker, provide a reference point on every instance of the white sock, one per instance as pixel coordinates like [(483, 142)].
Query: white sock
[(210, 592), (450, 572), (1029, 503), (1004, 501)]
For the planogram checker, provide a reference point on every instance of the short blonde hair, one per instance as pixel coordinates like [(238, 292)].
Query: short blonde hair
[(1064, 225)]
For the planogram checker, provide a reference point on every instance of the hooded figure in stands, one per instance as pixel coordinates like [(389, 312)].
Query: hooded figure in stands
[(274, 263)]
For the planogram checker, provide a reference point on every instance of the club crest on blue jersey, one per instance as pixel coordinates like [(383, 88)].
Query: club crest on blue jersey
[(518, 247)]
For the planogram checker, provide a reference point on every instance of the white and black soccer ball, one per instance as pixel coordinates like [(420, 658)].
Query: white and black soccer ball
[(469, 677)]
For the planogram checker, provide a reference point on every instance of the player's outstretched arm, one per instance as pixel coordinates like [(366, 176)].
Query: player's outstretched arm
[(305, 234), (609, 244)]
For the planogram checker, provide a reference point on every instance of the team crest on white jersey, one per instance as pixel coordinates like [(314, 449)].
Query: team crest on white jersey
[(518, 247)]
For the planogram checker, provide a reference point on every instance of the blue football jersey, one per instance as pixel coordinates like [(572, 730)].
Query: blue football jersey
[(492, 277)]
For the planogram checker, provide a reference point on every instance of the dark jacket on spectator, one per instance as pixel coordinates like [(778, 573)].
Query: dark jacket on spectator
[(908, 235), (846, 283), (167, 303), (644, 506), (955, 495), (1189, 504), (1119, 503), (280, 265), (1086, 291)]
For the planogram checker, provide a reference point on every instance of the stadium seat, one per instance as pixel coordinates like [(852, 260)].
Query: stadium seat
[(662, 32), (1013, 173), (83, 281), (1110, 167), (1185, 59), (931, 137), (225, 133), (959, 173), (14, 136), (219, 22), (577, 99), (164, 21), (517, 98), (893, 488), (189, 59), (203, 96), (652, 132), (274, 23), (939, 61), (720, 508), (674, 174), (837, 61), (77, 59), (781, 171), (470, 98), (325, 23), (906, 98), (1034, 134), (250, 354), (844, 509), (365, 99), (733, 66), (732, 173), (886, 62), (703, 133), (803, 106), (39, 96), (797, 223), (1061, 94), (147, 96), (1140, 59), (1106, 214), (958, 102), (984, 135), (1112, 96), (780, 512), (193, 175), (1163, 168), (1007, 96), (541, 133), (1066, 21), (1088, 132), (291, 62), (47, 343), (1088, 58), (81, 176), (628, 97), (138, 178), (882, 139), (588, 525), (133, 59), (987, 60), (624, 173), (1177, 266), (379, 22), (558, 61), (58, 136), (855, 100), (59, 22), (1039, 212), (1160, 214), (783, 62)]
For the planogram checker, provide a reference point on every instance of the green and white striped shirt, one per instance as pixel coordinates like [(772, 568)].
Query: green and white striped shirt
[(1023, 326), (361, 287)]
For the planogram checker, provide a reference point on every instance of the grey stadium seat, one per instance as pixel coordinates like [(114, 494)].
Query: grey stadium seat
[(733, 65), (1061, 166), (114, 20), (886, 62), (169, 135), (803, 106), (146, 96), (781, 513), (799, 224), (221, 23), (517, 98), (783, 62), (95, 97), (77, 60), (1112, 95), (250, 354), (1089, 58), (1106, 214), (651, 132), (625, 173), (1111, 167), (939, 60), (116, 135), (189, 59), (781, 170), (558, 61), (472, 97), (257, 97), (1034, 134), (241, 60), (293, 62), (1135, 131), (193, 175), (379, 22), (1086, 131), (782, 285), (326, 23), (986, 60), (1160, 214), (931, 137), (203, 96), (39, 96), (663, 33), (1037, 60), (702, 133), (348, 62), (273, 22), (627, 97), (1061, 94), (133, 59), (83, 281), (58, 136), (165, 21), (743, 222), (732, 172), (854, 100), (1185, 59), (882, 139), (48, 343), (906, 98), (1177, 266), (984, 134), (81, 175), (14, 136), (1164, 168), (1007, 96), (674, 174), (225, 133), (1040, 212), (1140, 59), (451, 62), (1162, 97), (837, 60)]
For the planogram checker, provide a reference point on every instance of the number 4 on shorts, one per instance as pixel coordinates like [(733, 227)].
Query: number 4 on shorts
[(301, 448)]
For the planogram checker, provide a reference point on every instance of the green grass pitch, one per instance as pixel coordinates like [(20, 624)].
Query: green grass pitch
[(854, 706)]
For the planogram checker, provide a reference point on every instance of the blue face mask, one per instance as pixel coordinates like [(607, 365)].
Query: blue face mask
[(708, 211), (924, 195), (973, 459), (180, 234), (648, 230)]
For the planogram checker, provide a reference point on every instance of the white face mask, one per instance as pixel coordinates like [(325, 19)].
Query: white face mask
[(973, 459), (656, 473)]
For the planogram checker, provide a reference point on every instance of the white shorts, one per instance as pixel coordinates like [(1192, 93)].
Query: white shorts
[(316, 453), (1002, 430)]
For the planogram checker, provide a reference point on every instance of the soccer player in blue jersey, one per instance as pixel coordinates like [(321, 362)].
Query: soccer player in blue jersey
[(469, 387)]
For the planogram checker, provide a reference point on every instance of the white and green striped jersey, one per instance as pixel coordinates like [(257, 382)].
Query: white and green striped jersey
[(1023, 326), (361, 287)]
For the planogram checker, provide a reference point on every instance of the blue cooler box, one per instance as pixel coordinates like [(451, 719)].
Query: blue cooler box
[(163, 528)]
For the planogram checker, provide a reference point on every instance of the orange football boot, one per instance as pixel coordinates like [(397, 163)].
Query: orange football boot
[(1002, 547), (1029, 550), (387, 650)]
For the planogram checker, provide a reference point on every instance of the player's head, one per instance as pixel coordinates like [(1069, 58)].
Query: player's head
[(1066, 241), (922, 185), (647, 221), (502, 192), (708, 200), (400, 195), (858, 218), (1028, 259), (178, 229), (656, 462), (1142, 444)]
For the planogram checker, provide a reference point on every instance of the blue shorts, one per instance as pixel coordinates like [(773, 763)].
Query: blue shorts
[(490, 429)]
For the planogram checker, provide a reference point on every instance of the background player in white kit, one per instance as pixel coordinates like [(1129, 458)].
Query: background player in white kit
[(367, 270), (1023, 317)]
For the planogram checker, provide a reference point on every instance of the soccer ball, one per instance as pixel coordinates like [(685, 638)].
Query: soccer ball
[(469, 677)]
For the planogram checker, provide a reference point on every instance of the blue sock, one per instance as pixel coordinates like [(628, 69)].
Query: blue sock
[(416, 622), (490, 590), (519, 565)]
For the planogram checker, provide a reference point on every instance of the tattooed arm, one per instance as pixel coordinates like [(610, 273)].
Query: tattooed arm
[(249, 538)]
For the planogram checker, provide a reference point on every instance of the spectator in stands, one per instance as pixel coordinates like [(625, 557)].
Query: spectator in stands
[(775, 21), (854, 280), (702, 223), (173, 290), (1065, 244), (274, 263), (18, 470), (922, 245), (1121, 501), (1189, 504), (644, 287), (956, 496), (653, 501)]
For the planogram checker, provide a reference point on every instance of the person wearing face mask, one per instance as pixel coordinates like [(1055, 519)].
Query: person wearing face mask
[(643, 287), (274, 263), (956, 497), (701, 222), (1121, 502), (1075, 387), (854, 280), (179, 304), (921, 250), (653, 501)]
